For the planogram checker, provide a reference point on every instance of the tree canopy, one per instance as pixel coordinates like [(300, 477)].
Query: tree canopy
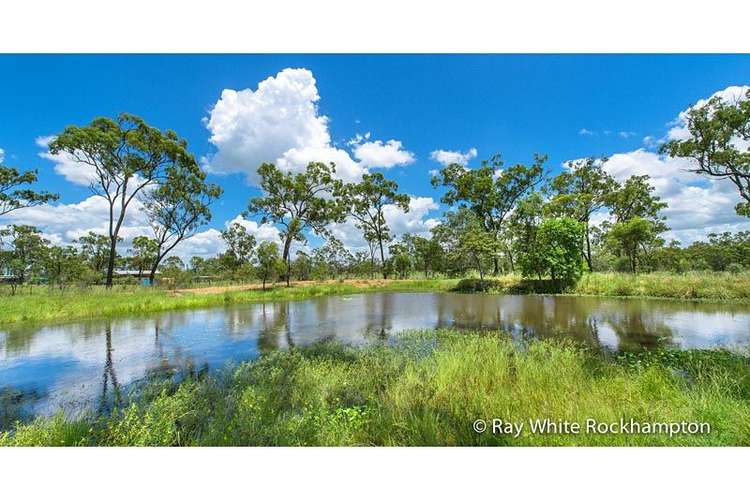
[(124, 158), (718, 143), (14, 196), (297, 202)]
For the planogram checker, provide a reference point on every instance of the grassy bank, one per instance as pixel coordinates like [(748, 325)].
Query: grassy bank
[(688, 286), (428, 390), (694, 285), (43, 304)]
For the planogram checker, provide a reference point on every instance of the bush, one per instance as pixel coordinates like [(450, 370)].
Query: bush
[(735, 268)]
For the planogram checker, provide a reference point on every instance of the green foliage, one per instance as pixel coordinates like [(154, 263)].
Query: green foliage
[(415, 394), (365, 202), (178, 207), (633, 236), (298, 202), (490, 191), (559, 244), (95, 249), (717, 129), (478, 245), (581, 190), (144, 250), (13, 196), (240, 248), (635, 199), (24, 254), (66, 265), (127, 157), (331, 260), (270, 264)]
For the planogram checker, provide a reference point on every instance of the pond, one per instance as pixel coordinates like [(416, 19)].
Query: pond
[(84, 365)]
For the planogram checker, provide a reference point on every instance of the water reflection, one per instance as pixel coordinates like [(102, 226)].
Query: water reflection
[(89, 365)]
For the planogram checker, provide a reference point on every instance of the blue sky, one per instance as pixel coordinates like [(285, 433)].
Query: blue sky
[(566, 106)]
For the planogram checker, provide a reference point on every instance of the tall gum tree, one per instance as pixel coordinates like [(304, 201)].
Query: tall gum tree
[(125, 157), (178, 208), (579, 191), (718, 144), (490, 191), (297, 202), (365, 202)]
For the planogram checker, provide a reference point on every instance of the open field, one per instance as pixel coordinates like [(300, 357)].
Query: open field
[(428, 390), (44, 304)]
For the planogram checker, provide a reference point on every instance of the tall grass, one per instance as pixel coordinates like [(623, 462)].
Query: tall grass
[(692, 285), (427, 390)]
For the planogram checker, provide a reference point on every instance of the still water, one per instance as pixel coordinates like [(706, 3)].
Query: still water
[(83, 365)]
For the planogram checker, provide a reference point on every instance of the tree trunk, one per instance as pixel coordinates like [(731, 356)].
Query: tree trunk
[(588, 249), (152, 274), (111, 261), (382, 258), (495, 265), (285, 257)]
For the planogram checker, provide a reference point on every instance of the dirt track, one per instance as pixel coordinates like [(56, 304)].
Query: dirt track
[(363, 283)]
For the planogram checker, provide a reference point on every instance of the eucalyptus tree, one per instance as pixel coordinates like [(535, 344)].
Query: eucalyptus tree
[(636, 198), (240, 245), (144, 251), (428, 254), (523, 225), (366, 202), (124, 158), (478, 244), (559, 245), (95, 250), (178, 207), (718, 143), (448, 233), (268, 261), (298, 202), (25, 253), (333, 258), (65, 265), (490, 191), (580, 191), (13, 194), (633, 236), (637, 219)]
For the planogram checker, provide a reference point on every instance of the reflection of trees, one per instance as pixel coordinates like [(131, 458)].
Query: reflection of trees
[(531, 316), (274, 321), (109, 376), (638, 324), (378, 314)]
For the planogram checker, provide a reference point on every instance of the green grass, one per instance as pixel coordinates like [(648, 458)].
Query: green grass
[(692, 285), (714, 286), (44, 304), (427, 390)]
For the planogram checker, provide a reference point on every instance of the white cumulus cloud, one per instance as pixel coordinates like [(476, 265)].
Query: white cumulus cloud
[(280, 122), (697, 205), (382, 154), (65, 165), (415, 221), (729, 95), (445, 157)]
